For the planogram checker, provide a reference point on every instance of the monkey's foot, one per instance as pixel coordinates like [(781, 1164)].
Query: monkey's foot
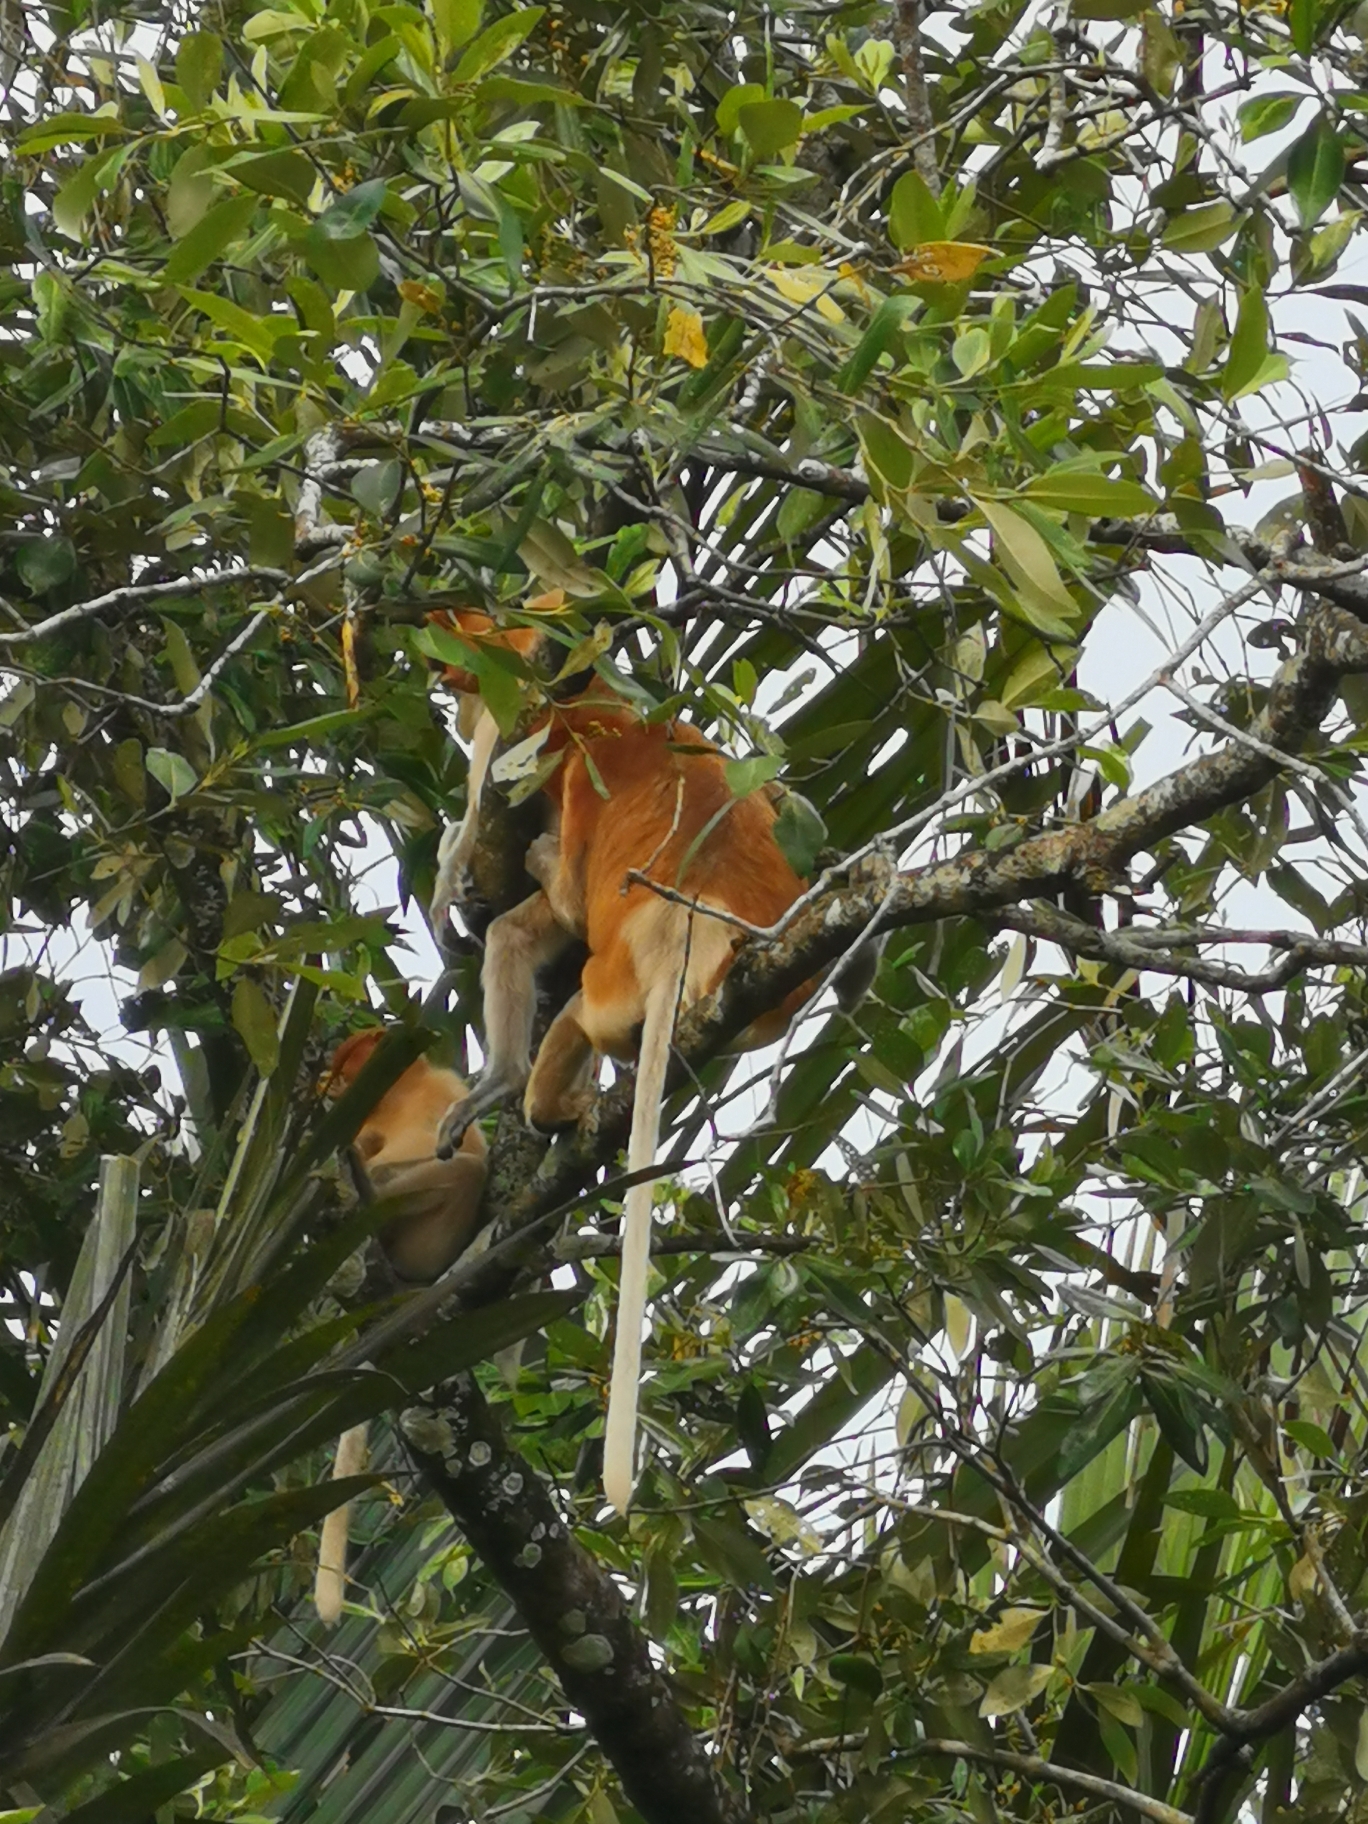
[(483, 1099), (543, 858)]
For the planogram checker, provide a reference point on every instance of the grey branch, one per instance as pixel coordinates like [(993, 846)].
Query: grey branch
[(1158, 952), (907, 36), (1031, 1767), (130, 593)]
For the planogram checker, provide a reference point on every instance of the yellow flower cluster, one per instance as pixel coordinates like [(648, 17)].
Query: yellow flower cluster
[(660, 240)]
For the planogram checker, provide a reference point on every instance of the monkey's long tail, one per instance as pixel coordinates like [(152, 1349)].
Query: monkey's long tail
[(330, 1581), (619, 1443)]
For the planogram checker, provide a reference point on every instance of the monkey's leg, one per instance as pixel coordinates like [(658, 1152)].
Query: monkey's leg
[(516, 946), (560, 1089)]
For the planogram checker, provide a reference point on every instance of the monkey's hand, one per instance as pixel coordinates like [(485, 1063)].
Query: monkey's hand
[(483, 1099), (454, 885)]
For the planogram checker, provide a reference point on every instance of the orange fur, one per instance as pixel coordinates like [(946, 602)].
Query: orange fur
[(437, 1205), (627, 796)]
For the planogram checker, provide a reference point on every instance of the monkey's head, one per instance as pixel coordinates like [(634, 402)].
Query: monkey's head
[(479, 629), (350, 1058)]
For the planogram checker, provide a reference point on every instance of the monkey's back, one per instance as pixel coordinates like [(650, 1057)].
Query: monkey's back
[(664, 808)]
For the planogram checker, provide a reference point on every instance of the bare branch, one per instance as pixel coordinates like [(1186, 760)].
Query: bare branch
[(1031, 1767), (143, 592), (907, 37), (1132, 951)]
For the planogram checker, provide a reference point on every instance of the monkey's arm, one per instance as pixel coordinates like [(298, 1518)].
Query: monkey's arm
[(516, 947), (437, 1205)]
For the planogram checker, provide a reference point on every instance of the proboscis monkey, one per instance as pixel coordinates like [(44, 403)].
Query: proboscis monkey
[(627, 796), (436, 1214)]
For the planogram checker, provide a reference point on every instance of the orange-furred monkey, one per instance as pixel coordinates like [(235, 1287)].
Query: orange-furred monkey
[(627, 796), (437, 1211)]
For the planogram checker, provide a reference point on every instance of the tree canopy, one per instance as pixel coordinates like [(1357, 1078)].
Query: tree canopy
[(952, 410)]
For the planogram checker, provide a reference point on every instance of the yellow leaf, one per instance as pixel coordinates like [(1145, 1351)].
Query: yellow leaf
[(349, 661), (1012, 971), (413, 291), (684, 336), (1301, 1579), (1008, 1634), (812, 286), (957, 1322), (1014, 1689), (942, 262)]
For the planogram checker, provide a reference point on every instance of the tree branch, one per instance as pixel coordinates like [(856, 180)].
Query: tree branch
[(1031, 1767), (573, 1609), (1132, 951), (907, 37), (143, 592), (977, 882), (1271, 1718)]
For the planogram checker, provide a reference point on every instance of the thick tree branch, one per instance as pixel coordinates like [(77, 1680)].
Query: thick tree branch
[(1251, 1727), (974, 883), (573, 1609)]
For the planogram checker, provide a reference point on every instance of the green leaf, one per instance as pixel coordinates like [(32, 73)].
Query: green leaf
[(830, 1410), (1315, 170), (733, 1554), (858, 1672), (199, 61), (288, 174), (457, 22), (1301, 24), (1266, 114), (972, 351), (259, 334), (1089, 491), (1210, 1503), (1312, 1437), (1178, 1420), (497, 42), (46, 563), (1027, 559), (914, 215), (1096, 1426), (770, 127), (68, 129), (884, 325), (746, 776), (1013, 1688), (345, 265), (741, 95), (888, 456), (800, 833), (255, 1021), (172, 771), (225, 223), (1248, 345), (345, 219), (1200, 230), (376, 487), (76, 194)]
